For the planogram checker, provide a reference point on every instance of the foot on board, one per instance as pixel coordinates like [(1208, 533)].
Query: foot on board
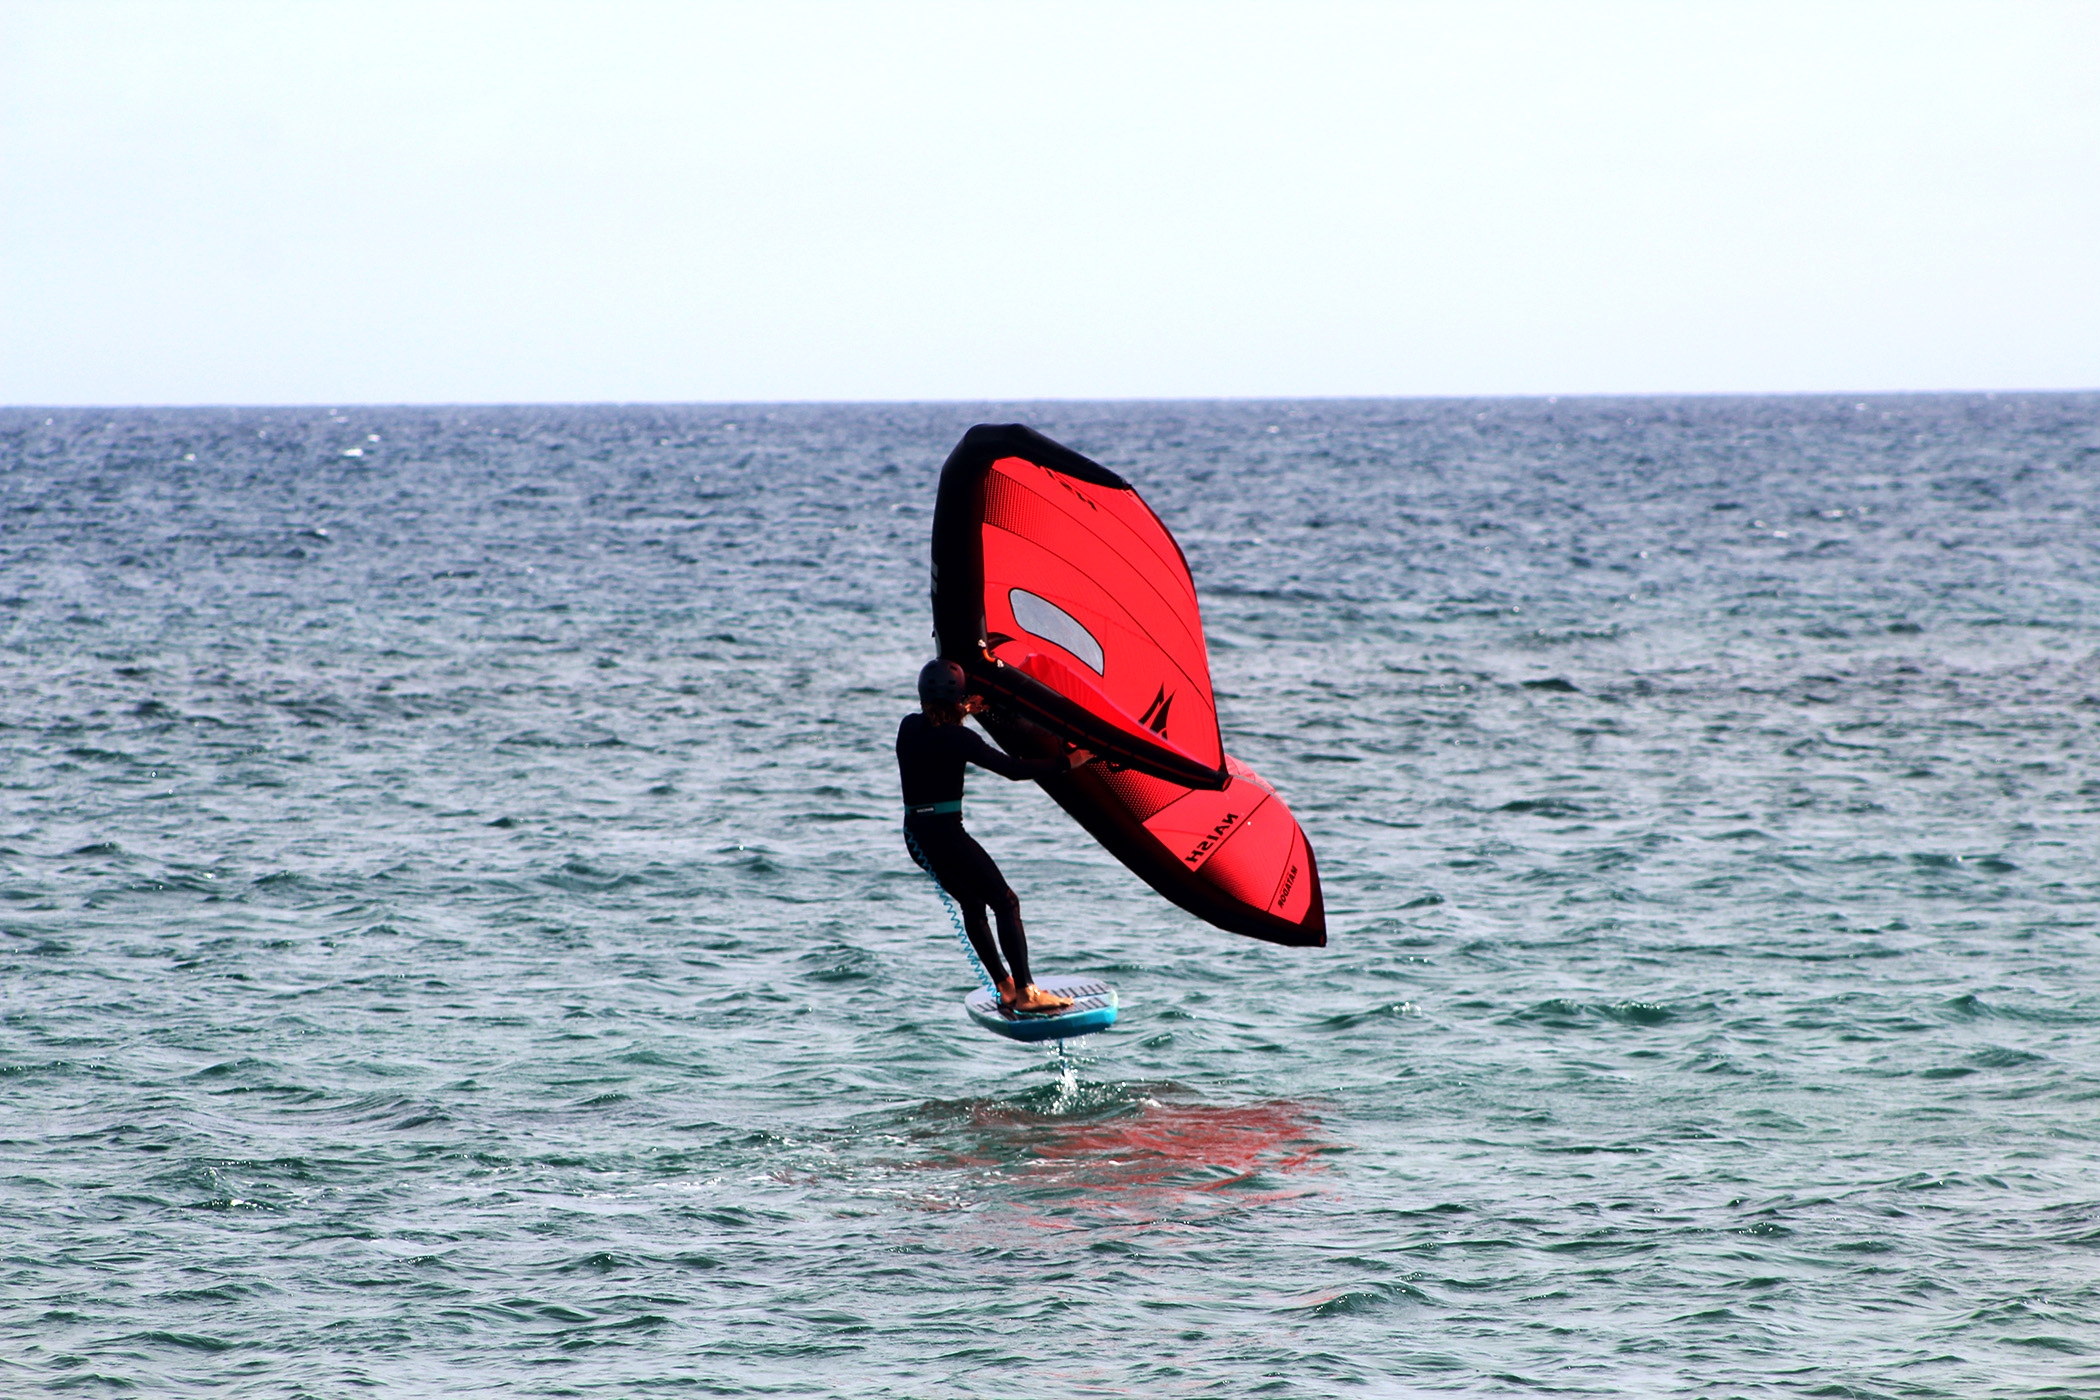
[(1032, 1000)]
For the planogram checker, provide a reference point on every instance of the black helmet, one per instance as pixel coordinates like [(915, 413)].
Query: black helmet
[(941, 683)]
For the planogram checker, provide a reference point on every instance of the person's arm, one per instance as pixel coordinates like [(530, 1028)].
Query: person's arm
[(1006, 765)]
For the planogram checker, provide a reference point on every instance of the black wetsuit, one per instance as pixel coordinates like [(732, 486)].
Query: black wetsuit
[(930, 762)]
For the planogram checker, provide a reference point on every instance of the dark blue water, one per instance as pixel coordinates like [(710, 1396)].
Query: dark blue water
[(456, 938)]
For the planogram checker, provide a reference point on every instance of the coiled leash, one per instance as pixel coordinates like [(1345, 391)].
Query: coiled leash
[(954, 910)]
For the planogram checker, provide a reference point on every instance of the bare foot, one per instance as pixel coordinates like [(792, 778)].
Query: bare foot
[(1034, 999)]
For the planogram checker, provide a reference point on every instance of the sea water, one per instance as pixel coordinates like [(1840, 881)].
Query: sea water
[(457, 938)]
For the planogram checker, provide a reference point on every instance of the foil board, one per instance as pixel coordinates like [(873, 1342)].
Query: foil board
[(1093, 1009)]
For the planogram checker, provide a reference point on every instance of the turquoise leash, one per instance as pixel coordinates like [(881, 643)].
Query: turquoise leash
[(954, 910)]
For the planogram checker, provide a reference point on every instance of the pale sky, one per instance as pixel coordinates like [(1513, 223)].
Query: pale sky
[(298, 201)]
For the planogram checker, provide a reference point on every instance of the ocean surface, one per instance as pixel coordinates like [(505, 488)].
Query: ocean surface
[(457, 942)]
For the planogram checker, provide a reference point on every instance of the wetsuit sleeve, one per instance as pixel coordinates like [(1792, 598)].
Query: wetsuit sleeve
[(977, 751)]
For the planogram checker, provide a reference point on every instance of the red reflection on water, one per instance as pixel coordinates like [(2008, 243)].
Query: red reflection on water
[(1163, 1161)]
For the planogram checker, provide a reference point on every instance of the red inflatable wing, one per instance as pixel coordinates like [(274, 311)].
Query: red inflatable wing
[(1066, 601), (1236, 858), (1071, 608)]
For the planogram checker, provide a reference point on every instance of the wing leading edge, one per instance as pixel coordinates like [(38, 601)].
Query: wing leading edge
[(1071, 608)]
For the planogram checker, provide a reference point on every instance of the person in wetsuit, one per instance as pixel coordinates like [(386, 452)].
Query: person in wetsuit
[(933, 748)]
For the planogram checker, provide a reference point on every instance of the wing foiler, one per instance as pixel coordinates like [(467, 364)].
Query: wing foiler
[(1071, 609)]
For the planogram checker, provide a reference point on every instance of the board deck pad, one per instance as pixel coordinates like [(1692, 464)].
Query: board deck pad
[(1093, 1009)]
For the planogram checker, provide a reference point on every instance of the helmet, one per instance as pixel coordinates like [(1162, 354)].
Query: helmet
[(941, 683)]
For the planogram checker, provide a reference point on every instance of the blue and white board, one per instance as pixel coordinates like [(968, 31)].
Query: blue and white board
[(1093, 1009)]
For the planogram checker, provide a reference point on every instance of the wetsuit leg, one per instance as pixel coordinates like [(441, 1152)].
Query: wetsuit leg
[(980, 932), (1006, 908), (971, 877), (923, 840)]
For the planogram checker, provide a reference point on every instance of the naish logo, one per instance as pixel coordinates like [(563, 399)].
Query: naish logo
[(1217, 834), (1155, 716)]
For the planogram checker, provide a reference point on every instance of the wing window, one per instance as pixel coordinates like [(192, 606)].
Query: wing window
[(1053, 624)]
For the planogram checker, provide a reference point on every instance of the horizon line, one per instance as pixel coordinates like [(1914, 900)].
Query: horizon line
[(1529, 397)]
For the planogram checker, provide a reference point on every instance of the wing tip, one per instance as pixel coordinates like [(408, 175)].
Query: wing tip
[(984, 443)]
